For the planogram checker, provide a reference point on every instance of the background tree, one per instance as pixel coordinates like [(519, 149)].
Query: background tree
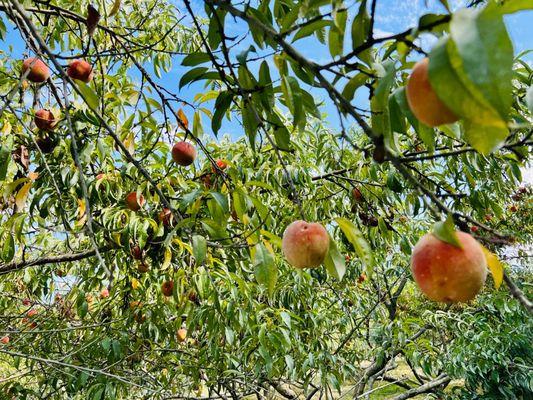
[(142, 258)]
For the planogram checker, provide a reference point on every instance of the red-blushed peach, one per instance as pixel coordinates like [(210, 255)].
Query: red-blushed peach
[(143, 267), (45, 120), (166, 217), (221, 164), (167, 287), (357, 195), (104, 293), (134, 203), (304, 244), (136, 252), (183, 153), (423, 100), (447, 273), (181, 335), (4, 340), (39, 71), (80, 70)]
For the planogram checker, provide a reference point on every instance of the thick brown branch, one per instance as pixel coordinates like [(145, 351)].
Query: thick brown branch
[(62, 258), (441, 380)]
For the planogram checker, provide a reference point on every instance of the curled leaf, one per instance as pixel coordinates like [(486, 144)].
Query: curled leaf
[(93, 17), (183, 122)]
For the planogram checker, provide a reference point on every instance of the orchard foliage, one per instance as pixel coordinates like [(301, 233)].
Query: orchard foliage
[(141, 242)]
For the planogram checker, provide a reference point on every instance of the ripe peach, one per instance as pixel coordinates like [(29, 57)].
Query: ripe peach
[(183, 153), (136, 252), (39, 71), (181, 335), (81, 70), (45, 120), (357, 195), (26, 302), (221, 164), (422, 99), (166, 217), (46, 143), (31, 313), (304, 244), (100, 176), (143, 268), (167, 287), (104, 293), (135, 305), (361, 278), (134, 203), (208, 183), (447, 273), (4, 340), (474, 229)]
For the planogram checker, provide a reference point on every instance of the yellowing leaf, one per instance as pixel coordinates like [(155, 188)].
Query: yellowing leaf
[(82, 215), (22, 195), (116, 237), (495, 266), (135, 284), (167, 259), (115, 8), (129, 142), (6, 129), (183, 122)]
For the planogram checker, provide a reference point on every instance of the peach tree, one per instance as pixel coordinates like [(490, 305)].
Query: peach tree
[(144, 250)]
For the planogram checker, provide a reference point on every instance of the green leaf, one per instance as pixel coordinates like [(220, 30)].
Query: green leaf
[(477, 35), (8, 247), (222, 104), (334, 261), (195, 58), (199, 248), (309, 29), (5, 158), (88, 94), (267, 92), (250, 121), (426, 133), (353, 84), (356, 238), (509, 6), (445, 231), (266, 272), (360, 32), (529, 99), (336, 34), (484, 128), (379, 105), (192, 75)]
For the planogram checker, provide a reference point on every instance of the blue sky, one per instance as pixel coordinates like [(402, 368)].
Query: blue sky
[(392, 16)]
